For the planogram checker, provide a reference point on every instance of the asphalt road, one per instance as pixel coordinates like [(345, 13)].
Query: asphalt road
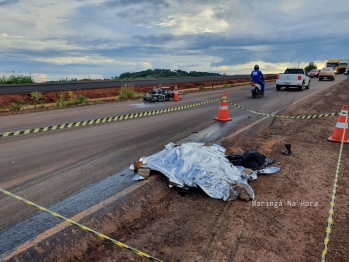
[(70, 170)]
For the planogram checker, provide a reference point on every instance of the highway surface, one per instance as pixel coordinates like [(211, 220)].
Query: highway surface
[(72, 169)]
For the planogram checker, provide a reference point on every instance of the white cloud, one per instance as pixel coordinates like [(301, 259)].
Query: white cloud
[(15, 42), (201, 22), (88, 60)]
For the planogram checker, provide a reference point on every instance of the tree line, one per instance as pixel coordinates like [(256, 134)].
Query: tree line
[(162, 73)]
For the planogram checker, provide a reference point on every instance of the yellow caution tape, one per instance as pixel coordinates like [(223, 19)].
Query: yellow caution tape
[(289, 117), (120, 244), (333, 198), (103, 120)]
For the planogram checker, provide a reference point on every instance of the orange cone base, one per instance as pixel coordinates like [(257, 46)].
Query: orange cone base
[(176, 97), (223, 120), (336, 140)]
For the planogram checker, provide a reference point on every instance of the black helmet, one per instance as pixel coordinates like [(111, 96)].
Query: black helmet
[(256, 67)]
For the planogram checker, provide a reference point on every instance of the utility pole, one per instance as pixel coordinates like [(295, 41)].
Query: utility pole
[(299, 63)]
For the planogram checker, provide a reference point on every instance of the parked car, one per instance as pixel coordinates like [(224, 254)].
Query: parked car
[(327, 73), (314, 73), (293, 77)]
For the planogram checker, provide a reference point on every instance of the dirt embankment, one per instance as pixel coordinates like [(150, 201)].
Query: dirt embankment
[(104, 93)]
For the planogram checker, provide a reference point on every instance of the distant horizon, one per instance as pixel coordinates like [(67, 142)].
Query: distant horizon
[(53, 77)]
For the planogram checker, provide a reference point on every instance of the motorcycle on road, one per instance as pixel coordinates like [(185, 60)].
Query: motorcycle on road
[(256, 90)]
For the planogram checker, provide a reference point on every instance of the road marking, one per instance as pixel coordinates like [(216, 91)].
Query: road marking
[(251, 125)]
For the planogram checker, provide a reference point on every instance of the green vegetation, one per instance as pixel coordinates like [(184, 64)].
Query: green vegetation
[(67, 80), (128, 91), (82, 99), (61, 100), (63, 80), (308, 68), (17, 106), (16, 79), (201, 88), (72, 100), (37, 97), (162, 73), (99, 101)]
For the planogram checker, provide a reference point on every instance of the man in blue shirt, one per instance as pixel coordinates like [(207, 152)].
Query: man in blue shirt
[(257, 77)]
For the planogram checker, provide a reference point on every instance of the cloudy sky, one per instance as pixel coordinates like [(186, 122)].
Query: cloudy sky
[(103, 38)]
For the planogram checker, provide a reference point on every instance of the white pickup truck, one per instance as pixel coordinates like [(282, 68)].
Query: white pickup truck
[(293, 77)]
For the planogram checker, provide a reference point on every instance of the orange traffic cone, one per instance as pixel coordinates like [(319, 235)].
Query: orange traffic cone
[(341, 126), (176, 94), (223, 114)]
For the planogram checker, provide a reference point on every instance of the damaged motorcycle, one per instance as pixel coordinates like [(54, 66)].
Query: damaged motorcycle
[(159, 94)]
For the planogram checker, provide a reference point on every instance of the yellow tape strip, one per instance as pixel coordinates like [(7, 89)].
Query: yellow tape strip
[(102, 120), (333, 198), (290, 117), (137, 252)]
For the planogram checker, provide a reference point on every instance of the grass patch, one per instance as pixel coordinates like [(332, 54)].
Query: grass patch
[(127, 91), (37, 97), (16, 79), (82, 99), (201, 88), (72, 100), (17, 106)]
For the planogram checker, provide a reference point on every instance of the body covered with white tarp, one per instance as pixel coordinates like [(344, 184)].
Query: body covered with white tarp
[(195, 164)]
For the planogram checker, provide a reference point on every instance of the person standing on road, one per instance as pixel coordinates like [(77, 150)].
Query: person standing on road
[(257, 77)]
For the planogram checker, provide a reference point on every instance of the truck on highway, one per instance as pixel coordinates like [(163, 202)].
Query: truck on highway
[(334, 63), (293, 77), (343, 66)]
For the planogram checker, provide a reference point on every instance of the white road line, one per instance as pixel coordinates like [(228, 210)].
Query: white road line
[(251, 125), (316, 92)]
